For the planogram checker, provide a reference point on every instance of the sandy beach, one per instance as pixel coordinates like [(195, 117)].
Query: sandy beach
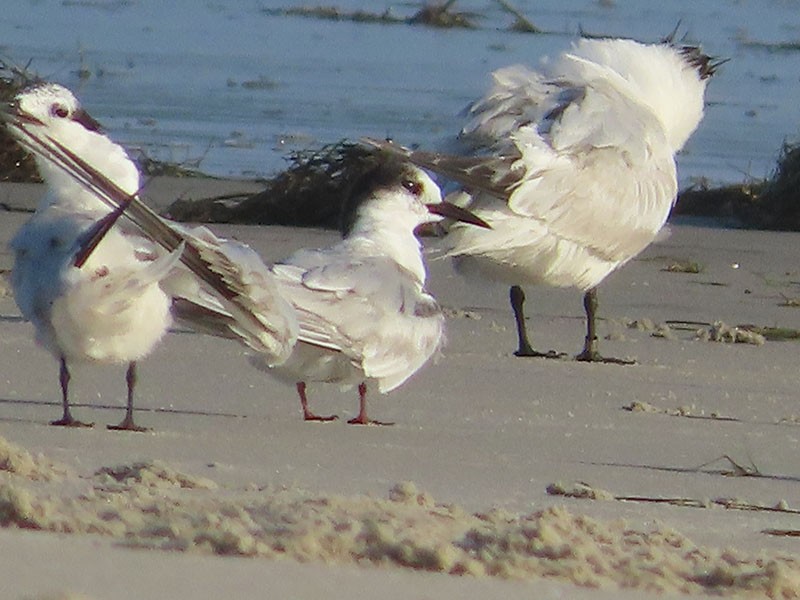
[(502, 477)]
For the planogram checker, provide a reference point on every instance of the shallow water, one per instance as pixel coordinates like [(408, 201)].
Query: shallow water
[(232, 88)]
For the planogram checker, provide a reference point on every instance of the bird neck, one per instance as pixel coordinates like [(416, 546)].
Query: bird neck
[(65, 192), (397, 243), (99, 152)]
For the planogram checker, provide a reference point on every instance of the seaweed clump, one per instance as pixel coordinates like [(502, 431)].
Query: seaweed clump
[(440, 15), (430, 15), (15, 164), (771, 204), (331, 13), (310, 193), (777, 205)]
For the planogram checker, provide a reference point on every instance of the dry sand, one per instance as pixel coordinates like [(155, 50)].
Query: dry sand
[(502, 476)]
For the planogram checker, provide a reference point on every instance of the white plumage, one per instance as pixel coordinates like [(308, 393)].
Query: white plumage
[(362, 306), (580, 173), (110, 310), (116, 306)]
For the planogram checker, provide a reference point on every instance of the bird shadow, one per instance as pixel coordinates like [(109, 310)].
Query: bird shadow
[(114, 407)]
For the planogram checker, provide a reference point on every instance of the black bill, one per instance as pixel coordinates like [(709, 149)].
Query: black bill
[(452, 211)]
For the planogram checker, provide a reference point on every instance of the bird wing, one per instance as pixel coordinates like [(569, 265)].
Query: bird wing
[(589, 164), (599, 173), (518, 96), (112, 289), (368, 308), (247, 280)]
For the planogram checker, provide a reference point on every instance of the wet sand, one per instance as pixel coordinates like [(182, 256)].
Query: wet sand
[(502, 476)]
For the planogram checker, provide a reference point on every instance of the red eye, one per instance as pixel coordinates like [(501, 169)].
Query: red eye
[(415, 187), (57, 110)]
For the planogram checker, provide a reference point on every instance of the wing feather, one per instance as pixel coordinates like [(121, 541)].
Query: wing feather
[(368, 308)]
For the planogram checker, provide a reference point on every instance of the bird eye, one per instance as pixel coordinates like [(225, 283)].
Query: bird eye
[(60, 111), (415, 187)]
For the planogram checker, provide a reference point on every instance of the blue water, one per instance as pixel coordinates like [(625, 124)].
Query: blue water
[(232, 89)]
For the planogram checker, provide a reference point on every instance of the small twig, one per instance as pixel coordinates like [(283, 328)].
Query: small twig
[(438, 15), (690, 502), (586, 492), (738, 470), (523, 23), (782, 532), (686, 325), (787, 301)]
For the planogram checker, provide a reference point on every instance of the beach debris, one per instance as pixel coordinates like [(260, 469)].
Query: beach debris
[(521, 24), (684, 266), (790, 420), (689, 412), (584, 491), (719, 331), (789, 302), (773, 334), (738, 470), (16, 165), (452, 312), (309, 193), (772, 203), (431, 14), (659, 330), (579, 489), (743, 40), (332, 13), (434, 14), (782, 532), (260, 83)]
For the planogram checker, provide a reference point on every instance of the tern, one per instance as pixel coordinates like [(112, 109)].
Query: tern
[(575, 167), (101, 288), (364, 313)]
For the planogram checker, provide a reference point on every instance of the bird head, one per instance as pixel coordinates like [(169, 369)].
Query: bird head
[(398, 195), (51, 105), (46, 114)]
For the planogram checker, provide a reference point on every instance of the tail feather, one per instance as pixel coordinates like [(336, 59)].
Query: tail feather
[(491, 174)]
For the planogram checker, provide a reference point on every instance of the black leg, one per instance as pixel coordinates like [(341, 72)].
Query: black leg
[(517, 298), (127, 423), (590, 353), (66, 419)]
